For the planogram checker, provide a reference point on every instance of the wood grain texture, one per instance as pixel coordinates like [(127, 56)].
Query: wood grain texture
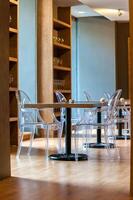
[(4, 90), (129, 66), (122, 34), (66, 105), (131, 89), (45, 52), (99, 178), (13, 69)]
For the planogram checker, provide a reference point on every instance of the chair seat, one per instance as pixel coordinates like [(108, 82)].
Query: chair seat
[(34, 124)]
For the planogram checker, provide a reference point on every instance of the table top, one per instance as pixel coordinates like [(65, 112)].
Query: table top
[(79, 104)]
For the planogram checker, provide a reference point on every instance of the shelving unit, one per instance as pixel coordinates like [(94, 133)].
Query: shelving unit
[(13, 70), (61, 51)]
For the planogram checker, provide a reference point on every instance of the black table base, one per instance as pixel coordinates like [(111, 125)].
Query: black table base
[(70, 157), (98, 145)]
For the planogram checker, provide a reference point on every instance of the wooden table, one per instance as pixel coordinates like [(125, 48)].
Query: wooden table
[(68, 156)]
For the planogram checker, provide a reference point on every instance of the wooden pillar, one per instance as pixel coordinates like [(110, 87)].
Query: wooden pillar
[(45, 52), (131, 90), (4, 90)]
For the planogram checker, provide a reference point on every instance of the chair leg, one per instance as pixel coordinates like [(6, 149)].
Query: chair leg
[(106, 140), (59, 140), (88, 138), (76, 138), (115, 146), (47, 142), (31, 141), (20, 144)]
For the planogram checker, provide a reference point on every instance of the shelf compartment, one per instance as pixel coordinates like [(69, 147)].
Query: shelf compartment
[(14, 135), (62, 68), (61, 46), (13, 75), (59, 25), (13, 14), (62, 13), (63, 80), (13, 104), (13, 45)]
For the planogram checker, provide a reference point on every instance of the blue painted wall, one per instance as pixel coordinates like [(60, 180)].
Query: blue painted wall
[(27, 48), (95, 57), (74, 59)]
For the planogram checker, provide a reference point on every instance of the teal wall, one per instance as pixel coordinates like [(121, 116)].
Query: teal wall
[(95, 68), (27, 48), (74, 59)]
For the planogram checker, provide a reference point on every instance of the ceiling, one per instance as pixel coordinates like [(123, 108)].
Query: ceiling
[(106, 8)]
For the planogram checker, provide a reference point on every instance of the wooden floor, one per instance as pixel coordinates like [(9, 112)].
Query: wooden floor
[(99, 178)]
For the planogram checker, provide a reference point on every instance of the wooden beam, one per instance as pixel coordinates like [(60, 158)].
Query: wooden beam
[(131, 90), (4, 90)]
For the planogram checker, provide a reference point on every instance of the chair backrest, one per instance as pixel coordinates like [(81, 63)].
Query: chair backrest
[(112, 103), (87, 96), (22, 98), (60, 97), (26, 115), (107, 95)]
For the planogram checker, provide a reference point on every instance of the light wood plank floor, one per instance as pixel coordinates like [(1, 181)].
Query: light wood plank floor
[(99, 178)]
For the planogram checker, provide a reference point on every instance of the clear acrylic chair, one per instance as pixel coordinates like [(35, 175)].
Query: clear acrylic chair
[(107, 95), (31, 120), (87, 96), (108, 123), (61, 98), (125, 118)]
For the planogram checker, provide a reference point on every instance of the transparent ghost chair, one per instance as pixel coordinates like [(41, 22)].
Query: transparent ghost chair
[(31, 119), (61, 98), (107, 95), (124, 117), (87, 96), (107, 124)]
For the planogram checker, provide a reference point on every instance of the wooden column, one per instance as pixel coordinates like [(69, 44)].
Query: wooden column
[(131, 90), (45, 52), (4, 90)]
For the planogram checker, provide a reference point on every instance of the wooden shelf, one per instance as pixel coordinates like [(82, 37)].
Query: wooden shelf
[(13, 59), (61, 46), (13, 70), (13, 30), (59, 25), (13, 2), (13, 119), (63, 91), (62, 68), (13, 89)]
